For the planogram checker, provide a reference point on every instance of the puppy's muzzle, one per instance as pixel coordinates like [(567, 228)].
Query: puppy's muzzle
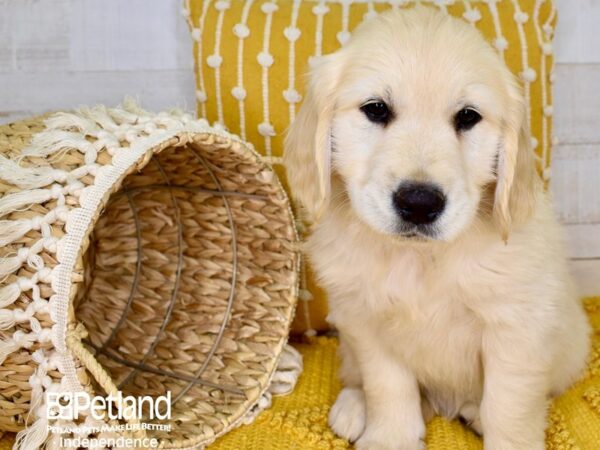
[(419, 203)]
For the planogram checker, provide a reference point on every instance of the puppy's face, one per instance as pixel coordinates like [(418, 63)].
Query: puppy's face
[(422, 113), (415, 136)]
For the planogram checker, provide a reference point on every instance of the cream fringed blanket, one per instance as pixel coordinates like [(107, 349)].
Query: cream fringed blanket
[(144, 253)]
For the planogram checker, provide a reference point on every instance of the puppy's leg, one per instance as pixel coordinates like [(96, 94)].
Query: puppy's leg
[(394, 419), (469, 412), (349, 369), (348, 414), (514, 405), (427, 409)]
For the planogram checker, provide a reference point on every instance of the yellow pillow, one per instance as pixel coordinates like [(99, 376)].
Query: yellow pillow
[(251, 56)]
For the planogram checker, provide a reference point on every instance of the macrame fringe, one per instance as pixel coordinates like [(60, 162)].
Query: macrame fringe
[(11, 230), (33, 437), (26, 177), (6, 348), (13, 202), (288, 371), (69, 130), (283, 382), (10, 265), (264, 402), (18, 340), (71, 122), (29, 255), (123, 116), (36, 380), (7, 319), (99, 115), (9, 294), (305, 295), (131, 105), (52, 141)]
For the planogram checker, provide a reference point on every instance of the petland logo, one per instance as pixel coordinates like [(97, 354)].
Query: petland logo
[(68, 406)]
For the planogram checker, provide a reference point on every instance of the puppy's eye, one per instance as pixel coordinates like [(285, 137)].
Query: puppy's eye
[(466, 119), (377, 112)]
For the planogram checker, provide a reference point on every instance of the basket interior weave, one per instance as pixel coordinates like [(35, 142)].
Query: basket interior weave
[(188, 284)]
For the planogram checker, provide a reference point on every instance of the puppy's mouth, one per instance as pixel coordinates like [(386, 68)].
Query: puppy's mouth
[(418, 233)]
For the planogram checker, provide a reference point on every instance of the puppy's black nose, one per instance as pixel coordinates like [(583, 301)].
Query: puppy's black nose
[(419, 203)]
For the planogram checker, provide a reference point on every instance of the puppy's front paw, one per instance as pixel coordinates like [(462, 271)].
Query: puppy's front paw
[(348, 414), (367, 442), (406, 435), (494, 443), (507, 445)]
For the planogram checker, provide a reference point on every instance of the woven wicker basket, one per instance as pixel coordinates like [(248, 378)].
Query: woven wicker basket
[(142, 253)]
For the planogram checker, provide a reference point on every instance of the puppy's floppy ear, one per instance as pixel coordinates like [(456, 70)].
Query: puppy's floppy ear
[(307, 156), (518, 184)]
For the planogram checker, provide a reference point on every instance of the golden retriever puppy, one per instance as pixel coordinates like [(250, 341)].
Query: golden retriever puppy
[(433, 237)]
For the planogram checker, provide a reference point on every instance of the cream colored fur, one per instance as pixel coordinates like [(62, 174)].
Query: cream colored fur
[(480, 320)]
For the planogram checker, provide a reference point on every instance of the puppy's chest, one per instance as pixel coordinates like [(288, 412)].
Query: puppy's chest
[(414, 304), (441, 343), (420, 313)]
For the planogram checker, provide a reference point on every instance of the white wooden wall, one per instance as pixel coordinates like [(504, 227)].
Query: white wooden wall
[(64, 53), (576, 157)]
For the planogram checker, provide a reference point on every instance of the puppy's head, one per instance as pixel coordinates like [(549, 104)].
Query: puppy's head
[(418, 126)]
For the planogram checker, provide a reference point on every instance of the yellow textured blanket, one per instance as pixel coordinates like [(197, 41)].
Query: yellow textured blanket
[(299, 420)]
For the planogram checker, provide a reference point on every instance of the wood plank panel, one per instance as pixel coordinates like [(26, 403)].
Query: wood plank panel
[(6, 40), (577, 103), (37, 35), (587, 276), (583, 241), (113, 35), (41, 92), (575, 183), (577, 37)]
